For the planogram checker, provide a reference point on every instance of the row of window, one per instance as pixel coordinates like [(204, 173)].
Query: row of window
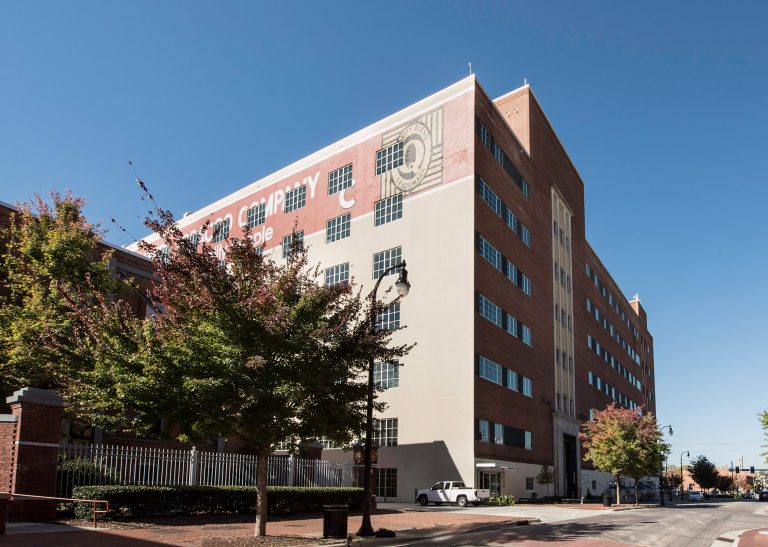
[(564, 318), (491, 144), (562, 359), (611, 391), (501, 263), (562, 277), (559, 234), (490, 432), (595, 346), (506, 321), (494, 201), (339, 273), (613, 331), (612, 301), (494, 372), (566, 404)]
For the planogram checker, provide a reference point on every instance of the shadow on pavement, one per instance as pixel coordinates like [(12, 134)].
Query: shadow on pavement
[(75, 539)]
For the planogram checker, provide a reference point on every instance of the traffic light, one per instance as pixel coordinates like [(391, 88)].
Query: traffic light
[(752, 469), (737, 469)]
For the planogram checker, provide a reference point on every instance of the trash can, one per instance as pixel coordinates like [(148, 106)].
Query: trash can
[(335, 521), (606, 500)]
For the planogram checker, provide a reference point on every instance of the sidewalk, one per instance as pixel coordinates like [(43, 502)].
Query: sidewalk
[(411, 523)]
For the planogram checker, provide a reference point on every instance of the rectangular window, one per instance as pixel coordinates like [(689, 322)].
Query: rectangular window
[(498, 434), (489, 196), (489, 252), (512, 325), (511, 221), (193, 239), (512, 380), (389, 317), (489, 310), (387, 210), (512, 272), (527, 386), (337, 274), (386, 482), (498, 153), (296, 198), (525, 235), (386, 375), (485, 136), (483, 430), (526, 336), (529, 483), (385, 431), (292, 242), (528, 440), (221, 230), (256, 215), (490, 370), (339, 179), (390, 157), (338, 228), (386, 259), (526, 285)]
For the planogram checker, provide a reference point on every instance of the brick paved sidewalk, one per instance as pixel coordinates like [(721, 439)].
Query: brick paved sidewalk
[(754, 538), (416, 523)]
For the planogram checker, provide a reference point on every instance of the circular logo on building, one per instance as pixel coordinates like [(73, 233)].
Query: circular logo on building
[(417, 154)]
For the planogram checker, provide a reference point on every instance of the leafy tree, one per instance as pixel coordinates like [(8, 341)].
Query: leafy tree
[(253, 348), (546, 476), (764, 422), (724, 483), (48, 251), (703, 472), (623, 442)]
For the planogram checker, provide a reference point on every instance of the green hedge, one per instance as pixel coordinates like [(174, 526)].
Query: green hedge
[(151, 501)]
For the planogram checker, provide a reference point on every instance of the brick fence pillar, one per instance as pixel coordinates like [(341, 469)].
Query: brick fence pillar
[(38, 428)]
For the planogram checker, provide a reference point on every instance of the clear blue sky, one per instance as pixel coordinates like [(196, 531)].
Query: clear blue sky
[(661, 105)]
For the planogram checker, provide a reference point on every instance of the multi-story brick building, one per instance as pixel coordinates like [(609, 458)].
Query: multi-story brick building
[(521, 330)]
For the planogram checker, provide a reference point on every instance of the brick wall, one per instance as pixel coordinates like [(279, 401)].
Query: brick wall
[(7, 452)]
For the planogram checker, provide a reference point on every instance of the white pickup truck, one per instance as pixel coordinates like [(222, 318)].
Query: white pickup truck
[(452, 492)]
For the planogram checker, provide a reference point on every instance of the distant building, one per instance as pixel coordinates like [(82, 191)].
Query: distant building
[(521, 329)]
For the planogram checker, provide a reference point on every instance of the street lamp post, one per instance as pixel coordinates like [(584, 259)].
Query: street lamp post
[(403, 286), (688, 455), (661, 466)]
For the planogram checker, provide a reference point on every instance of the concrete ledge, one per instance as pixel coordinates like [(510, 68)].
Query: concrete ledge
[(36, 396), (8, 418)]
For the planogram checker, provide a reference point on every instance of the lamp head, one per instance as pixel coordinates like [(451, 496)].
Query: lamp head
[(402, 285)]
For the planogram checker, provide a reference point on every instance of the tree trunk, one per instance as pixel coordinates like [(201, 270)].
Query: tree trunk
[(637, 500), (618, 489), (261, 491)]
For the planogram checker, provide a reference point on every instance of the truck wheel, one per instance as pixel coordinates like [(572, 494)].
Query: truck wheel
[(423, 500), (462, 501)]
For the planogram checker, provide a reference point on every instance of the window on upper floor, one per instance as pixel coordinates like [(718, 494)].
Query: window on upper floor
[(387, 210), (389, 317), (489, 370), (339, 179), (385, 431), (390, 157), (296, 198), (292, 243), (338, 228), (256, 215), (489, 310), (483, 431), (337, 274), (386, 375), (527, 386), (221, 230), (490, 197), (498, 433), (384, 260)]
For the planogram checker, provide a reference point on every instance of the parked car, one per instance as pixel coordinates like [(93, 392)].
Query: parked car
[(695, 496), (452, 492), (764, 495)]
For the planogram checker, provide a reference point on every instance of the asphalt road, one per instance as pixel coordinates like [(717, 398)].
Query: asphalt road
[(690, 524)]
